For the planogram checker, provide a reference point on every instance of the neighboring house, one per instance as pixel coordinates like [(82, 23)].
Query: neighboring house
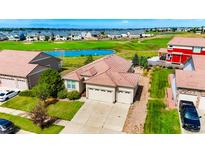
[(109, 79), (60, 38), (180, 49), (31, 38), (13, 38), (42, 37), (21, 69), (189, 83)]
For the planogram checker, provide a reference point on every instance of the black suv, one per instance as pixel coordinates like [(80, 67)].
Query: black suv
[(6, 127), (189, 116)]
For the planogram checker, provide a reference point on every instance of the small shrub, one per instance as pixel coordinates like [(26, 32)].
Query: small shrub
[(28, 93), (62, 94), (145, 72), (73, 95)]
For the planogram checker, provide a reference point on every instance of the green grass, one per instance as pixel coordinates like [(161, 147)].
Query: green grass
[(159, 81), (151, 44), (21, 103), (62, 110), (161, 121), (28, 125)]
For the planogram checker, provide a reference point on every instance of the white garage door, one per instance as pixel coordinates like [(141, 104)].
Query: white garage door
[(101, 95), (124, 97), (8, 82), (202, 103), (188, 98)]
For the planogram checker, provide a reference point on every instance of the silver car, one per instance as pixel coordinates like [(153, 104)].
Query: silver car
[(7, 94)]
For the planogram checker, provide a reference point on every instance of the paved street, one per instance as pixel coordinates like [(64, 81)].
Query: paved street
[(95, 117)]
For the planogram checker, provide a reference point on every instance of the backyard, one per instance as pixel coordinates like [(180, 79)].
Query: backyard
[(27, 125), (160, 120), (62, 109)]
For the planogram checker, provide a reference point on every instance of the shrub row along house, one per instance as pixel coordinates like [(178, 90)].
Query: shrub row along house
[(189, 83), (109, 79), (21, 69), (180, 49)]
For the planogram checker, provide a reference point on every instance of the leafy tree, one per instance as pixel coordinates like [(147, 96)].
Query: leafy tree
[(143, 62), (46, 38), (52, 80), (41, 91), (135, 60), (22, 37), (89, 59)]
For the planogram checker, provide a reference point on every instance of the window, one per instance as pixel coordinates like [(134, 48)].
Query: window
[(169, 57), (71, 85), (196, 50)]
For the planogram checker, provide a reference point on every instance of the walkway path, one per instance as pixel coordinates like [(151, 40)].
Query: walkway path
[(137, 112)]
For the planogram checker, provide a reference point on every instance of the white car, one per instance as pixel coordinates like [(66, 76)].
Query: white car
[(7, 94)]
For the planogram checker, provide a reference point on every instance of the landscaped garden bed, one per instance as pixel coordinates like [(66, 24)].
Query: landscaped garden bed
[(28, 125)]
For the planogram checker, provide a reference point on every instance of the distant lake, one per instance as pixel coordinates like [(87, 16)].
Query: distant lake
[(77, 53)]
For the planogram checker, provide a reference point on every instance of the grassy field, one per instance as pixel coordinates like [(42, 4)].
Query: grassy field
[(62, 110), (159, 82), (28, 125), (161, 121), (150, 44)]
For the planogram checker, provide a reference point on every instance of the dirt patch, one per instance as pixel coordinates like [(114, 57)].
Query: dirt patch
[(137, 111)]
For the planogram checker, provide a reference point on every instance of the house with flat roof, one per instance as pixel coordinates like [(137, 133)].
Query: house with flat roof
[(180, 49), (188, 84), (22, 69), (108, 79)]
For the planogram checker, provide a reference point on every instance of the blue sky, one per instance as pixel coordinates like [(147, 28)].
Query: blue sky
[(100, 23)]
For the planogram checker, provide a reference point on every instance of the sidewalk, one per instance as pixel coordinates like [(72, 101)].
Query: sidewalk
[(14, 112)]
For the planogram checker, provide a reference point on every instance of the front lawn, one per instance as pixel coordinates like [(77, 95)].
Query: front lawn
[(159, 81), (27, 125), (63, 110), (161, 121)]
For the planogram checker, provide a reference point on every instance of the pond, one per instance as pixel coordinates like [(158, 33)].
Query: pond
[(76, 53)]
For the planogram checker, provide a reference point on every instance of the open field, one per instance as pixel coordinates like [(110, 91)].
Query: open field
[(27, 125), (62, 110)]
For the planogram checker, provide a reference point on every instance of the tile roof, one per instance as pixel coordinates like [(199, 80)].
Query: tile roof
[(16, 63), (199, 42), (199, 62), (163, 50), (190, 79), (110, 70)]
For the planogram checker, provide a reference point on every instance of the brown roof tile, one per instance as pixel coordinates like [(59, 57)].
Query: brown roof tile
[(200, 42)]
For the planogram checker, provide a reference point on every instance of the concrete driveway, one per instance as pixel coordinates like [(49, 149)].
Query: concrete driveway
[(97, 117)]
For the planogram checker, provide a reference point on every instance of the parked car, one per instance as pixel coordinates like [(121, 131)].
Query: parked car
[(6, 127), (189, 116), (7, 94)]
